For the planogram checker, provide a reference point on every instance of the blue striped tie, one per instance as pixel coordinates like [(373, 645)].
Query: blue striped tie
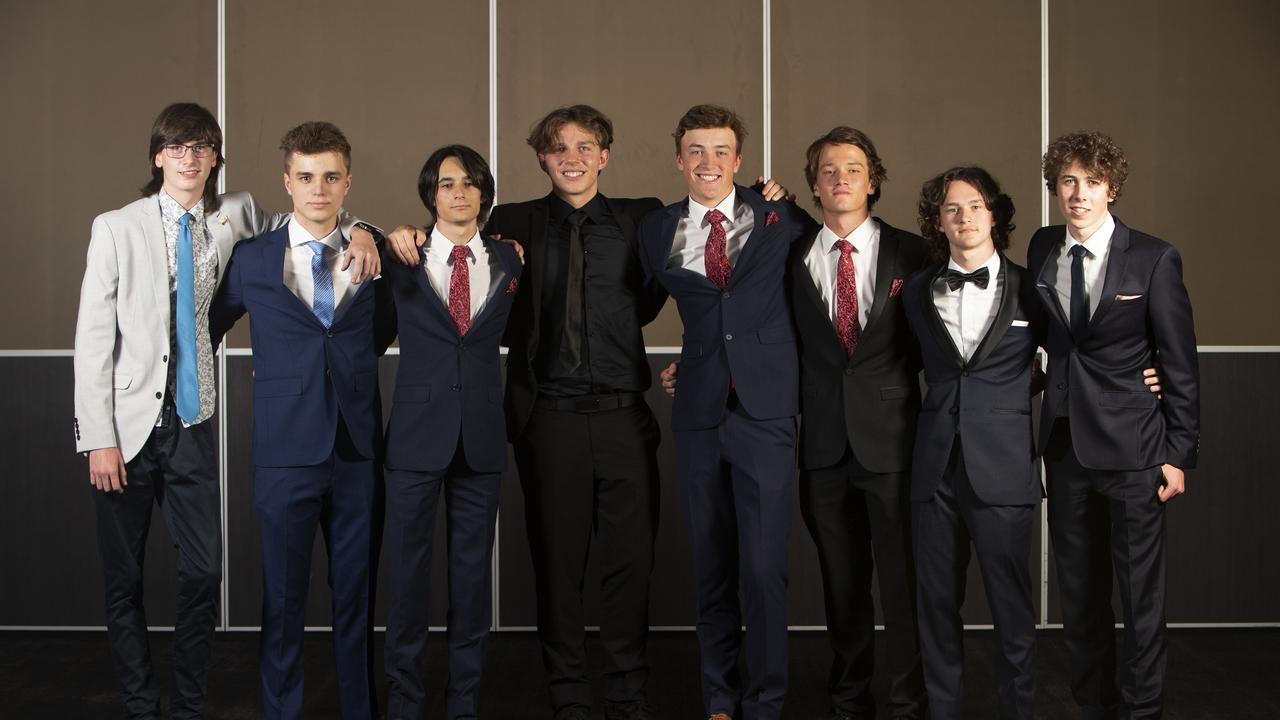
[(188, 379), (322, 299)]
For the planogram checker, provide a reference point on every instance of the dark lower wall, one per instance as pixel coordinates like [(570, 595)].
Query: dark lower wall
[(1222, 537)]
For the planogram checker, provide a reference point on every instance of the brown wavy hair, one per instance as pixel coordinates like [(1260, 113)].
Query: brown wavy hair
[(1097, 152), (844, 135), (544, 137), (700, 117), (934, 191)]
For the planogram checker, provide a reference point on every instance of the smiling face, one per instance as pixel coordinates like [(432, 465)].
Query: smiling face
[(708, 159), (574, 164), (1083, 200), (184, 177), (966, 221), (318, 185), (457, 200), (843, 184)]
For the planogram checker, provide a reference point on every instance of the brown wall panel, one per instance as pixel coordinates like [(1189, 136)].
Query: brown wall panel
[(82, 81), (399, 78), (927, 103), (642, 64), (1187, 89)]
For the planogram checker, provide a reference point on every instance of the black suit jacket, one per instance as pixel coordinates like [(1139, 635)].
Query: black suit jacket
[(870, 400), (1143, 319), (986, 401), (526, 222)]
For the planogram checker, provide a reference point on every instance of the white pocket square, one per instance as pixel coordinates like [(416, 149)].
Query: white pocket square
[(1127, 297), (1021, 323)]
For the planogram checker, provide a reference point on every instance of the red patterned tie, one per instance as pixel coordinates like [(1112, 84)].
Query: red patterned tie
[(717, 261), (846, 299), (460, 290)]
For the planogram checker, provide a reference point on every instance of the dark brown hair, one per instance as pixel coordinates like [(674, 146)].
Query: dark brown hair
[(700, 117), (477, 172), (180, 124), (844, 135), (934, 192), (1095, 151), (545, 136), (313, 138)]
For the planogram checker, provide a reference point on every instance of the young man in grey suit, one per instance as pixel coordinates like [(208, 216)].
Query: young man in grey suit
[(144, 389)]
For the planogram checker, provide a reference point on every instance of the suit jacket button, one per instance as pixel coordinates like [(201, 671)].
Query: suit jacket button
[(164, 359), (1062, 386), (455, 387), (725, 295), (848, 371), (159, 395), (955, 411), (328, 333), (728, 336), (964, 373)]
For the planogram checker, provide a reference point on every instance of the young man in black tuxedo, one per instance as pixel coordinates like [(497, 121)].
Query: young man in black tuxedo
[(1114, 454)]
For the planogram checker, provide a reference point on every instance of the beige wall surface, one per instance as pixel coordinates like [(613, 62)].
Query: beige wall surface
[(1186, 89)]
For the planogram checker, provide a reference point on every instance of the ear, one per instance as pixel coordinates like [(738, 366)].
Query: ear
[(604, 158), (159, 163), (288, 185)]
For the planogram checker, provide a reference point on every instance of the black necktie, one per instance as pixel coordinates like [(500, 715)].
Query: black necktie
[(1079, 300), (571, 343), (979, 277)]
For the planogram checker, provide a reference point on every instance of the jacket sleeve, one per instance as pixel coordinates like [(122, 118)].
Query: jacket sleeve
[(228, 304), (96, 334), (1173, 331)]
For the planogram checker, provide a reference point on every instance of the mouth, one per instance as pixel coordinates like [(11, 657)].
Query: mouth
[(464, 206), (190, 174), (708, 177), (573, 174)]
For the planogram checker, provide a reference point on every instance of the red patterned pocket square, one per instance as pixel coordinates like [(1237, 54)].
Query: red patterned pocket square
[(770, 219), (895, 287), (513, 285)]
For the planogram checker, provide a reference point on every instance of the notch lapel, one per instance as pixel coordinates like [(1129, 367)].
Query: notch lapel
[(273, 263), (1118, 258), (1046, 290), (157, 256), (801, 277), (501, 273)]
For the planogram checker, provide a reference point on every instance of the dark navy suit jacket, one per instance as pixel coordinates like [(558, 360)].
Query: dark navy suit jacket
[(985, 401), (305, 375), (742, 334), (1143, 320), (449, 387)]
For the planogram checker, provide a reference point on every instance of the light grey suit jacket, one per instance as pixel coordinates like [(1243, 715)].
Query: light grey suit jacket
[(122, 332)]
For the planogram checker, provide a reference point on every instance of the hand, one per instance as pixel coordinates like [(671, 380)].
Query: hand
[(362, 256), (1152, 381), (668, 377), (514, 244), (106, 470), (1175, 482), (404, 242), (773, 191)]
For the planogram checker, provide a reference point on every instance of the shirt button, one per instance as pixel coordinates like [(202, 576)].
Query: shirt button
[(328, 333), (848, 371), (1062, 386), (725, 295), (955, 411)]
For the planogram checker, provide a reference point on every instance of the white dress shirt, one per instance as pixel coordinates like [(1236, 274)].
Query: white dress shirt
[(1097, 251), (968, 311), (688, 248), (297, 265), (439, 268), (823, 259)]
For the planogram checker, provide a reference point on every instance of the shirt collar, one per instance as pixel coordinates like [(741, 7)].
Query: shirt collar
[(171, 210), (698, 211), (299, 235), (861, 237), (992, 265), (442, 247), (595, 209), (1099, 242)]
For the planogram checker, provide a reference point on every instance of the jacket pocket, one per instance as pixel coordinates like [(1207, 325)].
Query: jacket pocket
[(894, 393), (1009, 411), (1144, 399), (277, 387), (121, 382)]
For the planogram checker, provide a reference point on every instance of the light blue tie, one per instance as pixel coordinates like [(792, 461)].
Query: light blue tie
[(322, 298), (188, 379)]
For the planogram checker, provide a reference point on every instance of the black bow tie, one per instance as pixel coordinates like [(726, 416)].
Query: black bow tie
[(979, 277)]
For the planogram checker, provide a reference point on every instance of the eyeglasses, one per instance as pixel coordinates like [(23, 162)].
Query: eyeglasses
[(200, 150)]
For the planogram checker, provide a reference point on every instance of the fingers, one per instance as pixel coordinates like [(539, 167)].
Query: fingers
[(404, 242)]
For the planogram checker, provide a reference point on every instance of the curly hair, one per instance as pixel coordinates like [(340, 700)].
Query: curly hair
[(701, 117), (934, 192), (844, 135), (1095, 151)]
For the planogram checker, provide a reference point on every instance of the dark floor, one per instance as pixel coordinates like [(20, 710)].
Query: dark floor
[(1222, 673)]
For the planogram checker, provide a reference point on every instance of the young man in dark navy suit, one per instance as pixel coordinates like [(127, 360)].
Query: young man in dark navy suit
[(446, 432), (1114, 454), (317, 426)]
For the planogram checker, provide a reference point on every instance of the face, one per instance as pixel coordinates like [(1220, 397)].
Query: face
[(185, 176), (1083, 198), (709, 159), (574, 164), (844, 180), (318, 185), (965, 218), (457, 198)]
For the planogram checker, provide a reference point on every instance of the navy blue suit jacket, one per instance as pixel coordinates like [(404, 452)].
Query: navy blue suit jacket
[(986, 400), (305, 375), (1143, 320), (449, 387), (743, 333)]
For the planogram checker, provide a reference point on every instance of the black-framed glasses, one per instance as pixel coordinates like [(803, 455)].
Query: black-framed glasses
[(200, 150)]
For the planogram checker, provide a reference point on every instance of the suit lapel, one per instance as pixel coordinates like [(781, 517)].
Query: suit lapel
[(420, 280), (933, 320), (756, 237), (886, 271), (157, 255), (538, 253), (1049, 269), (1009, 285), (1118, 257), (804, 280), (274, 264), (500, 276)]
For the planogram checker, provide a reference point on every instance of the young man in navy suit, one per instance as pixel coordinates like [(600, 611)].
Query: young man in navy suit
[(317, 417), (446, 431), (973, 471), (1114, 453), (721, 253)]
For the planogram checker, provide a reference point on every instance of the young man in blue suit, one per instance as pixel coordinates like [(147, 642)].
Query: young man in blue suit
[(446, 432), (145, 391), (317, 417), (1114, 454), (973, 471), (721, 253)]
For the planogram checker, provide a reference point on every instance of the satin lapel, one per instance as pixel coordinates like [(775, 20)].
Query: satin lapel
[(1118, 258), (933, 320), (1047, 294), (886, 271), (273, 264), (157, 256), (501, 277), (1009, 288), (802, 279), (538, 219), (661, 255)]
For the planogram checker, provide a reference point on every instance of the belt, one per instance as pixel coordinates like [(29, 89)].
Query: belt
[(588, 403)]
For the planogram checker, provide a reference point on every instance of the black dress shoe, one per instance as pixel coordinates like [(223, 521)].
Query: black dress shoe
[(573, 712), (629, 710)]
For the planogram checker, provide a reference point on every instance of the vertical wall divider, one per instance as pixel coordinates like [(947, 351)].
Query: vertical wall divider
[(221, 362), (1044, 220), (766, 85), (495, 562)]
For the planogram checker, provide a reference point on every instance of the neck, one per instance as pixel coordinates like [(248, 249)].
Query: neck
[(844, 223), (186, 198), (711, 202), (970, 259), (458, 233), (577, 200), (317, 230)]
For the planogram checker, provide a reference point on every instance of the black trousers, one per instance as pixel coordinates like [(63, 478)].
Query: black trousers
[(943, 528), (1103, 522), (852, 513), (590, 482), (177, 470)]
